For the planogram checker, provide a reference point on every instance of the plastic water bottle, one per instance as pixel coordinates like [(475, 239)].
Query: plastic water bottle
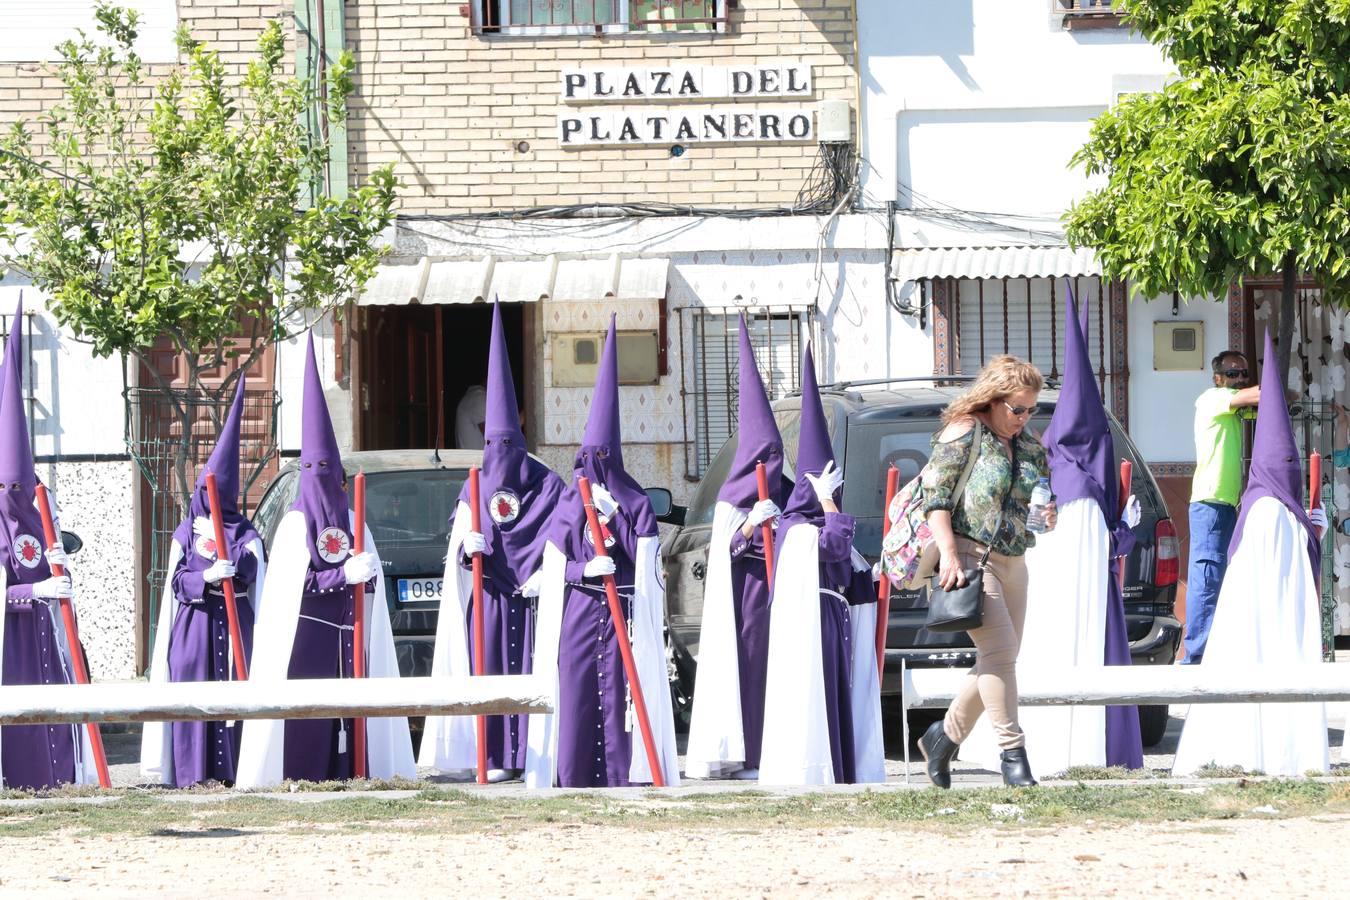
[(1040, 499)]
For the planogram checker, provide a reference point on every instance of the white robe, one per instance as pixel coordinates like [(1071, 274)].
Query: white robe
[(388, 742), (649, 656), (1068, 586), (1268, 614), (450, 743), (156, 737), (85, 770), (716, 746), (796, 746)]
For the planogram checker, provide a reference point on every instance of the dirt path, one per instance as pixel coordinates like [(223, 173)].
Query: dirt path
[(1286, 857)]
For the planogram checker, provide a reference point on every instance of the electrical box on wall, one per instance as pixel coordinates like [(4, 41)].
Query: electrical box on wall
[(832, 122), (576, 358), (1178, 346)]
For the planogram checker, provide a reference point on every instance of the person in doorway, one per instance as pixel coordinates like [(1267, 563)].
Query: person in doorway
[(1215, 488), (471, 418), (192, 642)]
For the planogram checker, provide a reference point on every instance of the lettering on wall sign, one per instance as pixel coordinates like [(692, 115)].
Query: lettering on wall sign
[(600, 84), (685, 125)]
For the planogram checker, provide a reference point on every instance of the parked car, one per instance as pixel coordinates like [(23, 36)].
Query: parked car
[(874, 425)]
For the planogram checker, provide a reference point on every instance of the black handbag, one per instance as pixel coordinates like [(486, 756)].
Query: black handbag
[(961, 608)]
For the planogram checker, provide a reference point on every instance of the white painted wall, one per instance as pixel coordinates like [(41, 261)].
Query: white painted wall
[(30, 30), (1162, 404)]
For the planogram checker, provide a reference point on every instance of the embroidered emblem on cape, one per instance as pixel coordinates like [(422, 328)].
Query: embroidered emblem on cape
[(206, 547), (27, 551), (604, 531), (332, 544), (504, 507)]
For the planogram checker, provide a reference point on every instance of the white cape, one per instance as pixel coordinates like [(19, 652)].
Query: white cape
[(796, 740), (1068, 586), (450, 743), (156, 740), (85, 770), (388, 743), (716, 746), (1268, 614), (649, 655)]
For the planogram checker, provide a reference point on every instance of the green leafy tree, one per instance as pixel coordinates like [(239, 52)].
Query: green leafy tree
[(1238, 167), (176, 206)]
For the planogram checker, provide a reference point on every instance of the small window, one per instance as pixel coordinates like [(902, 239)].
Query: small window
[(1084, 14), (559, 17)]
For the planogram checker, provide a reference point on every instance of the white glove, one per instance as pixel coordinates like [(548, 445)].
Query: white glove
[(1131, 514), (827, 482), (219, 571), (762, 512), (56, 556), (604, 501), (202, 527), (531, 586), (360, 568), (877, 573), (475, 542), (599, 567), (1318, 517), (57, 586)]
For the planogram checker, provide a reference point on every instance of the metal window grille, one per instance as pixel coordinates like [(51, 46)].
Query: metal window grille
[(713, 360), (1088, 13), (599, 16)]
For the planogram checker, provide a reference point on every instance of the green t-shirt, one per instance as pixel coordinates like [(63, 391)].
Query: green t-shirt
[(1218, 448)]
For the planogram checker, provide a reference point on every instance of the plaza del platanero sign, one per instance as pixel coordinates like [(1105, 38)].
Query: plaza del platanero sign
[(681, 105)]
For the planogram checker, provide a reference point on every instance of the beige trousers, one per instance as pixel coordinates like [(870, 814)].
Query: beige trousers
[(991, 685)]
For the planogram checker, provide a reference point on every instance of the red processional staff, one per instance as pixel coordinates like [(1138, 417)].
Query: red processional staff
[(884, 586), (359, 621), (762, 482), (1126, 480), (73, 646), (479, 629), (227, 585), (621, 632)]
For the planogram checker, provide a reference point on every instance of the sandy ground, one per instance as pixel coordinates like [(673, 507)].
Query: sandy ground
[(1295, 857)]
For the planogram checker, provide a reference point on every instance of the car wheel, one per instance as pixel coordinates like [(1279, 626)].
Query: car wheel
[(1152, 724)]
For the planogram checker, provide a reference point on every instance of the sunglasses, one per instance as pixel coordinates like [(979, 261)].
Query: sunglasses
[(1021, 410), (1234, 373)]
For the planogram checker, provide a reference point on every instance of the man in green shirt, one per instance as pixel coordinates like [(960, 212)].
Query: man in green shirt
[(1215, 489)]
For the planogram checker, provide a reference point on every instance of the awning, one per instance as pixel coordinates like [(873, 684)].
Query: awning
[(512, 280), (992, 262)]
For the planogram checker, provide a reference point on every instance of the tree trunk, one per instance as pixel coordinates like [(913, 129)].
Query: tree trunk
[(1284, 349)]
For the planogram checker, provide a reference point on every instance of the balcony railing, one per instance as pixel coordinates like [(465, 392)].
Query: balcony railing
[(1083, 14), (558, 17)]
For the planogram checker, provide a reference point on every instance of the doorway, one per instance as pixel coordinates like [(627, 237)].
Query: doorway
[(417, 363)]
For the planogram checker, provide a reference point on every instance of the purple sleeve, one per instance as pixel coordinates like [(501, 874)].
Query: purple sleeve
[(19, 597), (188, 586), (574, 572), (836, 538), (1122, 539), (324, 582), (246, 569), (740, 543)]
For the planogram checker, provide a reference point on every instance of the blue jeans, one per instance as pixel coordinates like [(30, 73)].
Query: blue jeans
[(1211, 530)]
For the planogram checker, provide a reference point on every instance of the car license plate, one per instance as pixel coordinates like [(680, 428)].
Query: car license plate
[(419, 590)]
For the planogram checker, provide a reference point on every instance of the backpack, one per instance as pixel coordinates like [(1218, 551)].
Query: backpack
[(909, 555)]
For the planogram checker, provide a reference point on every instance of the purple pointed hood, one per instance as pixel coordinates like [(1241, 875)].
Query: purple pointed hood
[(518, 495), (757, 437), (224, 462), (814, 451), (21, 540), (1078, 440), (322, 497), (1277, 466), (600, 459)]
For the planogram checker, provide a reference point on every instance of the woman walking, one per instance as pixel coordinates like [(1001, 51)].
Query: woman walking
[(989, 516)]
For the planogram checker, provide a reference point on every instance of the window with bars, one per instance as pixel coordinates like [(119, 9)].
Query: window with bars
[(1076, 14), (550, 17), (1025, 317), (713, 360)]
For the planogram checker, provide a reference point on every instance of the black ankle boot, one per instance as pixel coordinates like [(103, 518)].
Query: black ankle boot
[(939, 750), (1016, 769)]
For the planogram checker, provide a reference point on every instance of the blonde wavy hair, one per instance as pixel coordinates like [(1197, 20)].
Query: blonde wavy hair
[(1001, 377)]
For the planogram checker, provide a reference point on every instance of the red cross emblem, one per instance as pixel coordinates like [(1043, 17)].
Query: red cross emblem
[(206, 547), (504, 507), (27, 551), (332, 544), (604, 531)]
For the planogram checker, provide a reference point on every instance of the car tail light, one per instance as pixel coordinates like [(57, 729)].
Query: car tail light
[(1167, 556)]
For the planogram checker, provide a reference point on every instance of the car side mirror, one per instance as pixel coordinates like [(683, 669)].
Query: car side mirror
[(663, 505), (71, 543)]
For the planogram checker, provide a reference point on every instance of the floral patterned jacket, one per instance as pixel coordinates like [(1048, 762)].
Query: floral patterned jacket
[(997, 486)]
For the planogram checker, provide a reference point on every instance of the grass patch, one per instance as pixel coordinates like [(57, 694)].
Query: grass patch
[(1213, 770), (450, 811), (1104, 773)]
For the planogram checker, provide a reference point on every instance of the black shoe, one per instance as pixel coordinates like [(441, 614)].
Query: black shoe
[(1016, 769), (939, 750)]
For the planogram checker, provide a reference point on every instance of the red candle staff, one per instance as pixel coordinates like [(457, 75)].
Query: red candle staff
[(884, 586), (73, 638), (621, 632), (227, 585), (762, 482), (1126, 481), (479, 637), (359, 622), (1315, 481)]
